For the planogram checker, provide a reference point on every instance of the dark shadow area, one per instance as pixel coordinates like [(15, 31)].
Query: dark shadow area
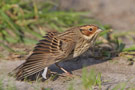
[(75, 64)]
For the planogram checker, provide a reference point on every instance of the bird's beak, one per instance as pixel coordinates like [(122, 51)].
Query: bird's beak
[(99, 30)]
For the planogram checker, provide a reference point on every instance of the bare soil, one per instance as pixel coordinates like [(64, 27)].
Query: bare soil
[(113, 71)]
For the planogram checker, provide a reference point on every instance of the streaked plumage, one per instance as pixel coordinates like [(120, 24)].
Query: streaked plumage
[(57, 47)]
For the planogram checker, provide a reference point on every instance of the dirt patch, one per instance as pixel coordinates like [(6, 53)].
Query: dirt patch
[(114, 71)]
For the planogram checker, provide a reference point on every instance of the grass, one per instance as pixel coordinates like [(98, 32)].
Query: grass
[(89, 80), (120, 86), (1, 84), (10, 85), (131, 48), (123, 86), (18, 20), (26, 22), (71, 87)]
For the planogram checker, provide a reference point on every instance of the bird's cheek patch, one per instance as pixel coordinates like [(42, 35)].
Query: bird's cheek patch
[(86, 32)]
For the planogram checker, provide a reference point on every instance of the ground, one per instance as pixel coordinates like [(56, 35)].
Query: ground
[(113, 72)]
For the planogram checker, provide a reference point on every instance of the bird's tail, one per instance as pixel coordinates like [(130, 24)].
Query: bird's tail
[(17, 72)]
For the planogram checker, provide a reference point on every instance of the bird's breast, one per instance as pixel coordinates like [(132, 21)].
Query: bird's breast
[(81, 48)]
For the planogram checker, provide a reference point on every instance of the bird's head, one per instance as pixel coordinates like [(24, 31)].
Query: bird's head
[(90, 31)]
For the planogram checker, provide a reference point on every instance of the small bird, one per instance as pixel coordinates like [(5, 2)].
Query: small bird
[(56, 47)]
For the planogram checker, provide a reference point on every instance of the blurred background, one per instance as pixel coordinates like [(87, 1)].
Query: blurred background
[(120, 14), (24, 22)]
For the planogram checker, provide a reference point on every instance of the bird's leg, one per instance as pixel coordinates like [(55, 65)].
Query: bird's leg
[(68, 73)]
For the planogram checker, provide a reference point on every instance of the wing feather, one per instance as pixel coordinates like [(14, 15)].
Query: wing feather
[(48, 51)]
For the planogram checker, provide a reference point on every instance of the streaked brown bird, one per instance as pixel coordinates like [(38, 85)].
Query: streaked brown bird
[(57, 47)]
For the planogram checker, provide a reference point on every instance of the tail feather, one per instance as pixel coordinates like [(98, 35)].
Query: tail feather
[(13, 73), (21, 74), (17, 72)]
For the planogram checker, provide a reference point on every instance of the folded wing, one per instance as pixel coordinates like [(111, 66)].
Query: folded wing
[(48, 51)]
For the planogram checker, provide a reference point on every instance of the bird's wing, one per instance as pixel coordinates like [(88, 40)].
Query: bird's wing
[(48, 51)]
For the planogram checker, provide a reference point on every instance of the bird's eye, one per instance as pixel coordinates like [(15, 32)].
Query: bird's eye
[(81, 29), (90, 29)]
